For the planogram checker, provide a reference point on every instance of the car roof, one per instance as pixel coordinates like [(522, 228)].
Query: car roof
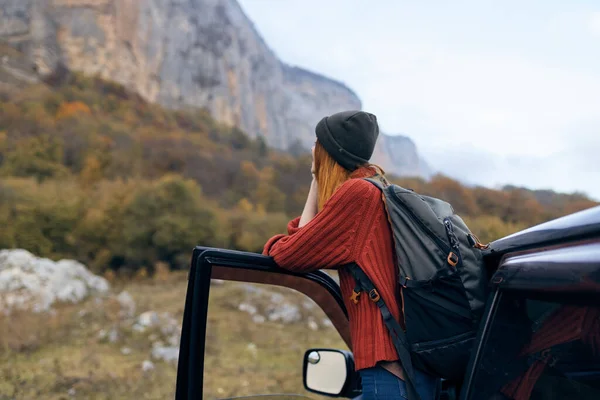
[(562, 255), (581, 225), (574, 268)]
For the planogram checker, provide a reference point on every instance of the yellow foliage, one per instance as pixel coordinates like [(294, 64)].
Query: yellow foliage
[(245, 205), (141, 274), (92, 171), (3, 141), (99, 189), (102, 260), (161, 271), (110, 275), (267, 174), (490, 227), (249, 169), (461, 197), (260, 210), (69, 109)]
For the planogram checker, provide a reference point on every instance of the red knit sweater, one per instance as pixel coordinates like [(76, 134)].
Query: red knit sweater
[(351, 227)]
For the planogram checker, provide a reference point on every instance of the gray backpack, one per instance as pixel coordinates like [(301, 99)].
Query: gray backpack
[(443, 284)]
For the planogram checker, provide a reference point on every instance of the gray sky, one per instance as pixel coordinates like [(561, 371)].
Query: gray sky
[(492, 92)]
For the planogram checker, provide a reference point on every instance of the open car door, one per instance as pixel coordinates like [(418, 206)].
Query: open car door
[(210, 263)]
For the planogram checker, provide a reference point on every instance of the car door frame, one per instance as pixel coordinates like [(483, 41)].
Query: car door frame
[(211, 263)]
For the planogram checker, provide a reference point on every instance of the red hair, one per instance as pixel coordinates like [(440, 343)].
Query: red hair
[(330, 175)]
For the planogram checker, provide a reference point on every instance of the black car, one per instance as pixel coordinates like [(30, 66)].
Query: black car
[(538, 339)]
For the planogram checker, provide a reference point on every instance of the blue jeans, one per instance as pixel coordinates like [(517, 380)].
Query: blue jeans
[(380, 384)]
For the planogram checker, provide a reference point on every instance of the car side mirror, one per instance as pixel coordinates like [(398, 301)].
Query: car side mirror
[(331, 373)]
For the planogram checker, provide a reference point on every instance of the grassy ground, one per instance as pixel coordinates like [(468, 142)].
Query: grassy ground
[(264, 358), (60, 356)]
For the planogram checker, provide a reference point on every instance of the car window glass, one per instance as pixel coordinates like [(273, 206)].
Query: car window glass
[(540, 350), (256, 337)]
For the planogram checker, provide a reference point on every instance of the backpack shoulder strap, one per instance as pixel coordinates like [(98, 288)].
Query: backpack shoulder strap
[(379, 181), (398, 336)]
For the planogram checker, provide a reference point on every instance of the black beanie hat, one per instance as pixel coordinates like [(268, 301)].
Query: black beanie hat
[(349, 137)]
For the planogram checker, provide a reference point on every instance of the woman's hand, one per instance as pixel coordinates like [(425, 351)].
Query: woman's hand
[(312, 165), (311, 207)]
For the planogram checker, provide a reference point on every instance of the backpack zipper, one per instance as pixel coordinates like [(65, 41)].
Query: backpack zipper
[(436, 343), (454, 243)]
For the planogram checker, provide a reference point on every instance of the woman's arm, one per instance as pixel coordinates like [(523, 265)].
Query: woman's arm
[(311, 205), (334, 237)]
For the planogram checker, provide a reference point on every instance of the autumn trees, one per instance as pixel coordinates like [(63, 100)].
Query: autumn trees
[(90, 171)]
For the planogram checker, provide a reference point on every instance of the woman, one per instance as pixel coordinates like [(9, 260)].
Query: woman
[(344, 221)]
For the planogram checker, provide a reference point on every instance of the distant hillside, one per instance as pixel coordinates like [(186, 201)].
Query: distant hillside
[(550, 198), (92, 171)]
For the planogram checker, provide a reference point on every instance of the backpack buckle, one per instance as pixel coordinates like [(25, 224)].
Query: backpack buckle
[(548, 358), (404, 281), (476, 243), (355, 296), (452, 259), (374, 295)]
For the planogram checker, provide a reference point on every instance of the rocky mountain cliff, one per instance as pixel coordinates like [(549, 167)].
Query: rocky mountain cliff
[(186, 53)]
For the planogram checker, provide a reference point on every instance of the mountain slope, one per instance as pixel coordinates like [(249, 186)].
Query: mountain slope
[(187, 53)]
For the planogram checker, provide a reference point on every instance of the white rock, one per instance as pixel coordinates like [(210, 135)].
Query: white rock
[(102, 334), (258, 319), (308, 304), (18, 258), (125, 351), (312, 324), (72, 392), (174, 340), (148, 319), (127, 305), (21, 289), (147, 366), (169, 325), (250, 288), (252, 349), (277, 298), (249, 308), (113, 335), (286, 313), (168, 354), (326, 322), (31, 283)]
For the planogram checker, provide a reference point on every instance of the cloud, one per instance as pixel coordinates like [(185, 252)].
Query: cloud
[(594, 23), (488, 100), (490, 119), (573, 168), (481, 99)]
